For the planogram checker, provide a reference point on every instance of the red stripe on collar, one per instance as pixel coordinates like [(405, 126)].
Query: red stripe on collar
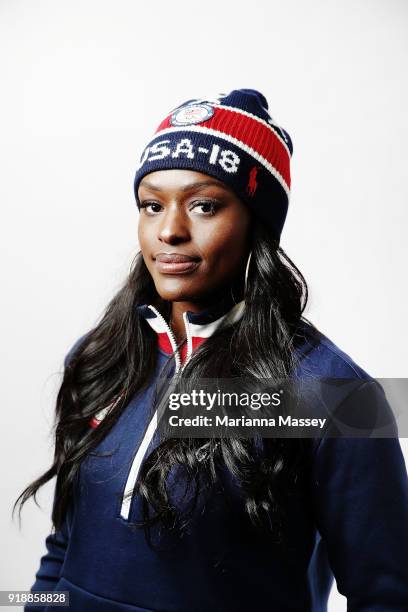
[(165, 345), (198, 326)]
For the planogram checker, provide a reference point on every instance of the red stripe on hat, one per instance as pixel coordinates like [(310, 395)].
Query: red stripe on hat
[(249, 131)]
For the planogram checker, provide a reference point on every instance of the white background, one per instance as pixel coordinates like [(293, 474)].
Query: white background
[(85, 83)]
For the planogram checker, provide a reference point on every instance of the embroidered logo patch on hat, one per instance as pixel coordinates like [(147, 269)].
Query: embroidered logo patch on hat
[(191, 114)]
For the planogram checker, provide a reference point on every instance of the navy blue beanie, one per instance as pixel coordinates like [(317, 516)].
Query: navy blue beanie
[(233, 138)]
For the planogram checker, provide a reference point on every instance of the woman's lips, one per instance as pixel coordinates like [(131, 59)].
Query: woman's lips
[(175, 263)]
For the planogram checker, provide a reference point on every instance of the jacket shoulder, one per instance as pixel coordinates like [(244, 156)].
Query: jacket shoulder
[(320, 356)]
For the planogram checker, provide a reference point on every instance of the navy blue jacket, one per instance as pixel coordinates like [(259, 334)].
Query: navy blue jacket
[(349, 522)]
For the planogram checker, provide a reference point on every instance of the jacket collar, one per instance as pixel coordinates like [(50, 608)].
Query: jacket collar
[(198, 326)]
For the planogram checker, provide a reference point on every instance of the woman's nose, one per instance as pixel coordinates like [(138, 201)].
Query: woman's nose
[(174, 226)]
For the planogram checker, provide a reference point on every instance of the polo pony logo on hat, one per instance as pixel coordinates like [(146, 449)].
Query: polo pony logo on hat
[(191, 114), (252, 182)]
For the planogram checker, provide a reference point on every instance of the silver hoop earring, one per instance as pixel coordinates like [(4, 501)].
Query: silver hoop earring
[(246, 272)]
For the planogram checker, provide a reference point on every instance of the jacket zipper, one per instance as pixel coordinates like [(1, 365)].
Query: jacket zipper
[(189, 338), (170, 335), (141, 451)]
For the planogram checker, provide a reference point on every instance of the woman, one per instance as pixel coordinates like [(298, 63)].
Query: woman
[(147, 522)]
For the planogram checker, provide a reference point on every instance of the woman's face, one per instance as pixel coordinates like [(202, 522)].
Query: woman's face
[(193, 233)]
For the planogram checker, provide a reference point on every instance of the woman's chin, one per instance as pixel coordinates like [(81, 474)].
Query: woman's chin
[(176, 291)]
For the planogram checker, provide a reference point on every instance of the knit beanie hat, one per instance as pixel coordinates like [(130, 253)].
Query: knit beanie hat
[(233, 138)]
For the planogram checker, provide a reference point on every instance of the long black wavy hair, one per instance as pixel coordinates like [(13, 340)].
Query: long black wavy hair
[(116, 359)]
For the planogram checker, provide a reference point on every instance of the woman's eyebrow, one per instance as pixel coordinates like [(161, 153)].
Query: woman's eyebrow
[(191, 186)]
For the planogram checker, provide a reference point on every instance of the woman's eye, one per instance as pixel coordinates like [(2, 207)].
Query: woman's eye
[(208, 207), (150, 207)]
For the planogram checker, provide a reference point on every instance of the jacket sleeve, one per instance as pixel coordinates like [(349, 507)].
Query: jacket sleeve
[(56, 543), (51, 562), (361, 508)]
